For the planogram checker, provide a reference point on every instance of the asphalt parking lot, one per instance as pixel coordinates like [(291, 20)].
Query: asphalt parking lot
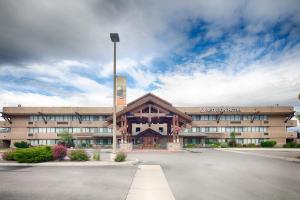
[(65, 183), (208, 174), (215, 174)]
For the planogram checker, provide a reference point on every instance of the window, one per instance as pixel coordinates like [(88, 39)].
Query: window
[(212, 129), (76, 130), (137, 129), (204, 117), (212, 117), (34, 142), (4, 130), (161, 129)]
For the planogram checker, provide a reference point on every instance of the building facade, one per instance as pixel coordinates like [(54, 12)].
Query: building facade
[(147, 122)]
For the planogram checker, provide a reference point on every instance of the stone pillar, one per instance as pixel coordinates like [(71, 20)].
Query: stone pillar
[(173, 146)]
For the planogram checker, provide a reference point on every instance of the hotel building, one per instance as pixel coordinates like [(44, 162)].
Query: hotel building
[(147, 122)]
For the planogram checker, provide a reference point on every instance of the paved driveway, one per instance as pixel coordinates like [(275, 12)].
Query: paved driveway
[(210, 174), (226, 175)]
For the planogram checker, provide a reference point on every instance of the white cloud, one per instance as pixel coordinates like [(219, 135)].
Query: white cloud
[(264, 83)]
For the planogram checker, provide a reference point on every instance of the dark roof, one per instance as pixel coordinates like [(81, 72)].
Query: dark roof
[(156, 100), (148, 131)]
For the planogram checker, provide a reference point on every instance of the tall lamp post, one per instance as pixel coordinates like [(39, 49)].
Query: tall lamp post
[(114, 38)]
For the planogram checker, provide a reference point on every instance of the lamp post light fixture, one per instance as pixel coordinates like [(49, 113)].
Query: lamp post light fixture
[(114, 38)]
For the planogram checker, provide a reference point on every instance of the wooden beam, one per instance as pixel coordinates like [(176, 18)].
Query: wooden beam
[(219, 117), (289, 117), (78, 117), (43, 116)]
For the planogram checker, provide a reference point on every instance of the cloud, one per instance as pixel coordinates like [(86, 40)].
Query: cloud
[(197, 53), (263, 83)]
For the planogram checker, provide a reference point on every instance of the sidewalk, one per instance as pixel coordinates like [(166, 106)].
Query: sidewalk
[(249, 152), (70, 163), (150, 183)]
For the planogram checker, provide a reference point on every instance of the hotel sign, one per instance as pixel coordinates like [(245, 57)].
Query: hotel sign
[(220, 109)]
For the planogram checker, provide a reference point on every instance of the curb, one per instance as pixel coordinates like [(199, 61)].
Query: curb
[(72, 164), (261, 155)]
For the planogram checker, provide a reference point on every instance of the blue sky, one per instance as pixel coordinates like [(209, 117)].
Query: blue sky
[(195, 53)]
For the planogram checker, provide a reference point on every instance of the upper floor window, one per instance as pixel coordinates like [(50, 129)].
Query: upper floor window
[(70, 130), (228, 117), (228, 129), (67, 118), (5, 130)]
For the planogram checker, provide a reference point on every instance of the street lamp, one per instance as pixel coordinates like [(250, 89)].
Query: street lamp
[(114, 38)]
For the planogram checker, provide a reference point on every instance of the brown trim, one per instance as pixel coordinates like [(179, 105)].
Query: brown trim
[(156, 100)]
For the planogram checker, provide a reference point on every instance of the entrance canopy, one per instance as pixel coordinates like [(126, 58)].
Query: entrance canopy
[(150, 109), (151, 106)]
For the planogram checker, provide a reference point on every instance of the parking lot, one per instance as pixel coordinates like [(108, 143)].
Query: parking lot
[(205, 174)]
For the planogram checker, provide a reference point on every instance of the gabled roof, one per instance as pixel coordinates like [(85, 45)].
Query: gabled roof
[(155, 100), (149, 131)]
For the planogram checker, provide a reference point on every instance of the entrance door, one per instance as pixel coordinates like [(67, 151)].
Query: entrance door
[(150, 142)]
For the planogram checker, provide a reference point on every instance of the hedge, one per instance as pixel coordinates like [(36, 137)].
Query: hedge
[(269, 143), (291, 145), (22, 144), (33, 154), (78, 155), (120, 157)]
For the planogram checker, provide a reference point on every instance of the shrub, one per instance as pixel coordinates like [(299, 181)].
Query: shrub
[(251, 145), (33, 154), (238, 145), (79, 155), (96, 155), (22, 144), (8, 155), (232, 143), (59, 152), (224, 145), (291, 145), (190, 145), (215, 145), (269, 143), (120, 157)]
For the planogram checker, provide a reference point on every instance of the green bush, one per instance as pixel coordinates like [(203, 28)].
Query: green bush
[(269, 143), (9, 155), (224, 145), (251, 145), (22, 144), (215, 145), (33, 154), (232, 143), (120, 157), (190, 145), (96, 155), (291, 145), (78, 155)]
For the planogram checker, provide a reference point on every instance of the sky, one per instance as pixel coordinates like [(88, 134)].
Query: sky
[(191, 53)]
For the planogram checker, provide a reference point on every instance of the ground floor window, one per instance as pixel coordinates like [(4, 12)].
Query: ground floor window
[(247, 140), (104, 141), (193, 141), (82, 142), (43, 142)]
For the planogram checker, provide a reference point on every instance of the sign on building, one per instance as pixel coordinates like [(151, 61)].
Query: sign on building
[(121, 91)]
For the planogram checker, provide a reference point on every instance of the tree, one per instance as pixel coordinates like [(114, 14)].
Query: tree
[(232, 142), (298, 117), (66, 138), (232, 135)]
